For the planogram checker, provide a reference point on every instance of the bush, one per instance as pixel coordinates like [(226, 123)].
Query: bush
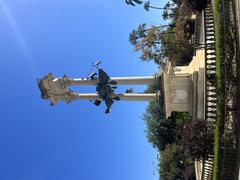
[(189, 28), (197, 5), (197, 139), (172, 163)]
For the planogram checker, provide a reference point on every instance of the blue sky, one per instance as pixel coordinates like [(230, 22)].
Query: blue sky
[(75, 141)]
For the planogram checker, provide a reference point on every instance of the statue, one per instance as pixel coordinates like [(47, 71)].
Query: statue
[(105, 89)]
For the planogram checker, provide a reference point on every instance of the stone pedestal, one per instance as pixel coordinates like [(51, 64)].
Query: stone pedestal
[(183, 87)]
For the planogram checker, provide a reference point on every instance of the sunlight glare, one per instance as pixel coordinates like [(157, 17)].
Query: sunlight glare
[(29, 60)]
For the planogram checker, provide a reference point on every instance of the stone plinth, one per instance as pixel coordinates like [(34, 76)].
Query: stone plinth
[(183, 87)]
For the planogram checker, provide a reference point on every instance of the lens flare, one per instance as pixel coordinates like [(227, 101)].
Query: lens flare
[(19, 37)]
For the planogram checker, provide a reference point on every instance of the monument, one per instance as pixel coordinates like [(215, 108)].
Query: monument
[(179, 88), (56, 89)]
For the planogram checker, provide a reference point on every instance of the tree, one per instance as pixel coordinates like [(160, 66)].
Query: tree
[(172, 162), (151, 89), (150, 41), (180, 54), (168, 42), (189, 28), (201, 139), (142, 31), (135, 35), (186, 137), (197, 139), (133, 2), (147, 41), (160, 131), (147, 6), (171, 10), (180, 119), (159, 43), (197, 5), (176, 2)]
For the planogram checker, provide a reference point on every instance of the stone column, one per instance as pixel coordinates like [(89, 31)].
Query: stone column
[(138, 97), (123, 97), (84, 96), (144, 80)]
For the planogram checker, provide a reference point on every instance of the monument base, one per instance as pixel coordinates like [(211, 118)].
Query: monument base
[(183, 87)]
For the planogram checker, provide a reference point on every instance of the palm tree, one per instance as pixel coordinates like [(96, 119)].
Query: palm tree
[(133, 37), (142, 30), (147, 6), (131, 2)]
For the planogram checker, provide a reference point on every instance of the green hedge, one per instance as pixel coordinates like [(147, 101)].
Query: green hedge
[(219, 128)]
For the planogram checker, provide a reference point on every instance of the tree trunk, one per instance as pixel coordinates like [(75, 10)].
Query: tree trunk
[(160, 8)]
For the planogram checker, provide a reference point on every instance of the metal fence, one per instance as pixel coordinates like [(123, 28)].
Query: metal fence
[(231, 109), (210, 79), (231, 78)]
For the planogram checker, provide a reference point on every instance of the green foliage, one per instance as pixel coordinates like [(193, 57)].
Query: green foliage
[(148, 41), (172, 163), (219, 128), (151, 89), (176, 2), (167, 42), (159, 130), (168, 6), (197, 139), (197, 5), (201, 139), (159, 43), (165, 135), (189, 28), (179, 119)]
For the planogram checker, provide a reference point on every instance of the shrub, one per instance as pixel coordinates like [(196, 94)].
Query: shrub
[(197, 5)]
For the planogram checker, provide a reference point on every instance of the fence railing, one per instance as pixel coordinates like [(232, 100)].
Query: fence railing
[(231, 78), (210, 79)]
